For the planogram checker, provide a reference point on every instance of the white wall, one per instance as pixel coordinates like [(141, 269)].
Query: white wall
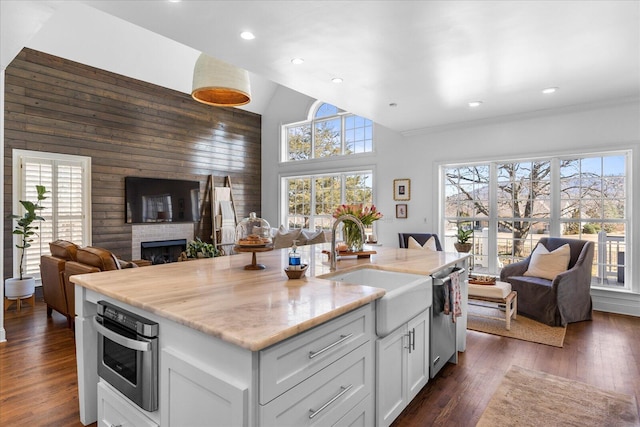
[(568, 131)]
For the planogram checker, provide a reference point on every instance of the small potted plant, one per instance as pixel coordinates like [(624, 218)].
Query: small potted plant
[(22, 286), (199, 249), (462, 244)]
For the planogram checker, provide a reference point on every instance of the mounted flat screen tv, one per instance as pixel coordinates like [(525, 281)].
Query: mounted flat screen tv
[(154, 200)]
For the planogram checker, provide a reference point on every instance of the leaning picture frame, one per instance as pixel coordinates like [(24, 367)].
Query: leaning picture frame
[(402, 189), (401, 210)]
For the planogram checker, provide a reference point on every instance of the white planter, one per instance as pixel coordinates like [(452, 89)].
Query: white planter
[(17, 288)]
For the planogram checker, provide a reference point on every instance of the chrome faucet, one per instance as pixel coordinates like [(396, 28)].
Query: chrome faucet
[(334, 254)]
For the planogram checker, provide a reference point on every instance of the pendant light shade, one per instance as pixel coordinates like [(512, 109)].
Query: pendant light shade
[(217, 83)]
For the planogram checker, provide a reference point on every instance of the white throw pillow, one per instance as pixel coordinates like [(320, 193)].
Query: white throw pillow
[(309, 237), (430, 244), (284, 238), (547, 264)]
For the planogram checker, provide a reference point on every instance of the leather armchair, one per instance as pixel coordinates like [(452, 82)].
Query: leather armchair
[(66, 260), (52, 268), (419, 237), (566, 298), (90, 259)]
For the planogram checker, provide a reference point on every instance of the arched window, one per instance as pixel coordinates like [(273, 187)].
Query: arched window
[(330, 132)]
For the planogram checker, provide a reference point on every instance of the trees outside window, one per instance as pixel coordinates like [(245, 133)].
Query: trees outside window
[(331, 132), (510, 205), (311, 200)]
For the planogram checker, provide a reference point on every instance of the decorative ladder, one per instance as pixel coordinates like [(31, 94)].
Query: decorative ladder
[(217, 213)]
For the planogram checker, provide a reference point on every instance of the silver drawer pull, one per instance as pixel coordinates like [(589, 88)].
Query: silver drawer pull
[(343, 390), (342, 339)]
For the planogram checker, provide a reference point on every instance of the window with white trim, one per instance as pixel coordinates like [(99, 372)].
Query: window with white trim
[(312, 199), (330, 132), (67, 209), (511, 204)]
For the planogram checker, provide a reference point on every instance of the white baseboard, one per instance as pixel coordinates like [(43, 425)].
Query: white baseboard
[(616, 302)]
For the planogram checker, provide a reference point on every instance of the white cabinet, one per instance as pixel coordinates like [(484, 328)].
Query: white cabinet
[(326, 397), (418, 354), (114, 410), (288, 363), (324, 376), (196, 394), (402, 367)]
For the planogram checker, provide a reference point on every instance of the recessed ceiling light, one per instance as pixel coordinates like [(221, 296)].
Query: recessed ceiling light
[(297, 61), (247, 35), (549, 90), (175, 1), (336, 80), (475, 103)]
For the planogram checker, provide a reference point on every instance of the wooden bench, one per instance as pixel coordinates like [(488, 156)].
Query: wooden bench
[(499, 294)]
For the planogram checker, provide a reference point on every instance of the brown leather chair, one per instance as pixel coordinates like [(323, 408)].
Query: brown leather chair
[(90, 259), (68, 259), (52, 270)]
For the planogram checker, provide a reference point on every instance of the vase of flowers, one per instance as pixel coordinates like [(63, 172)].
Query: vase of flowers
[(350, 231)]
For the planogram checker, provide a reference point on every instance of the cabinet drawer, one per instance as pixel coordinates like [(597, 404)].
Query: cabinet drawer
[(114, 410), (327, 396), (287, 364)]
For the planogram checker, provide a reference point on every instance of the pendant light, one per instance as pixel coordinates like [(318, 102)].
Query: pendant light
[(217, 83)]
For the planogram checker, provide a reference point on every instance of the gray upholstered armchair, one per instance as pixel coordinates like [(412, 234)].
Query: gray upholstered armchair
[(566, 298), (421, 238)]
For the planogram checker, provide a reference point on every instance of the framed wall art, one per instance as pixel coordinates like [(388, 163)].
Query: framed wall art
[(401, 211), (402, 189)]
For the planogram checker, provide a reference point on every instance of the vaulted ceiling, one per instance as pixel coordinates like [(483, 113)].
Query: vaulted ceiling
[(429, 58)]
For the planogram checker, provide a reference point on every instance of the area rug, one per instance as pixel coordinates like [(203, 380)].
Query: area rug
[(533, 398), (522, 328)]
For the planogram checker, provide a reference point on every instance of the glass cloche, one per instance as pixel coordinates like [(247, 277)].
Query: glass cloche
[(253, 231)]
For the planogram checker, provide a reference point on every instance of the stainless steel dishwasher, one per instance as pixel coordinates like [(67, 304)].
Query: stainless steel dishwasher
[(443, 339)]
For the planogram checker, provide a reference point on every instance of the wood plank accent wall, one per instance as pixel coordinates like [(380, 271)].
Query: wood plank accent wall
[(128, 128)]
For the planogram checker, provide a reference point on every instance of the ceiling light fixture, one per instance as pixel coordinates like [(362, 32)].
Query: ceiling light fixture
[(549, 90), (297, 61), (247, 35), (221, 84), (336, 80), (474, 104)]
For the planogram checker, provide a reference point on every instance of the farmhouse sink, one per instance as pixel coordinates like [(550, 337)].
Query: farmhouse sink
[(406, 294)]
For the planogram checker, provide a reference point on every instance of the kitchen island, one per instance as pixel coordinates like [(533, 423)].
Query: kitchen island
[(229, 337)]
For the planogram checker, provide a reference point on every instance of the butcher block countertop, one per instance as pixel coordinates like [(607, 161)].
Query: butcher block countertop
[(255, 309)]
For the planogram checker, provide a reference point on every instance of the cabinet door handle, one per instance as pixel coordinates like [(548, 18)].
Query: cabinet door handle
[(413, 339), (408, 346), (342, 339), (343, 390)]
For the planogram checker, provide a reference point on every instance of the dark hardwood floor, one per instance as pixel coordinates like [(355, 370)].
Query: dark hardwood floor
[(38, 382)]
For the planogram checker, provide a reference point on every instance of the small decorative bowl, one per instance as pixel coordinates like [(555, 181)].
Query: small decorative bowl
[(296, 274)]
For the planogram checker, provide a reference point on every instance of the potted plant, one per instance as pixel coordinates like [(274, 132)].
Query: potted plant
[(199, 249), (23, 286), (462, 244)]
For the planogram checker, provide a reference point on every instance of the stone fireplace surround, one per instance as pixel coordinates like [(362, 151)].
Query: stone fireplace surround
[(154, 232)]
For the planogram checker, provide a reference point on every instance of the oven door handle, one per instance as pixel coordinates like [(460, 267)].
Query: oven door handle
[(117, 338)]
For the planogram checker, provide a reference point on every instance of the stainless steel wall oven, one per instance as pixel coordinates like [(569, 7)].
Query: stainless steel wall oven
[(128, 354)]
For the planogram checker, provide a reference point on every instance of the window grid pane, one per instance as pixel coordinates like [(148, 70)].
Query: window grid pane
[(329, 191), (592, 192), (330, 133)]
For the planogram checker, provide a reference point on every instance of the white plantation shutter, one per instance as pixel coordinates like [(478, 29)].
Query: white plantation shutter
[(66, 179)]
